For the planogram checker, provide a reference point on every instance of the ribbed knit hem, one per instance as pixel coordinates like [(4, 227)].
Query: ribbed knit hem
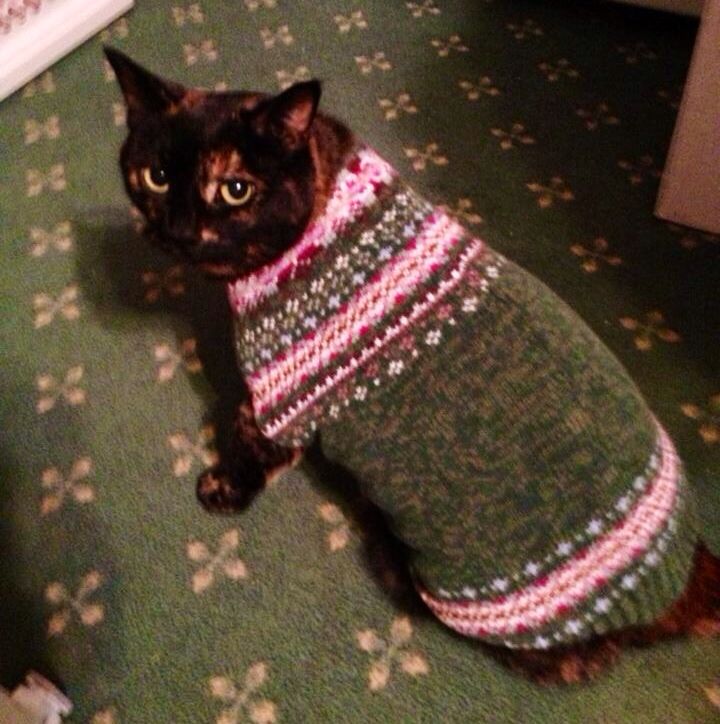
[(629, 576)]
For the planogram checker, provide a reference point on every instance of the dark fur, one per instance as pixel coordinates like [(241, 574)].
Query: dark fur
[(292, 155)]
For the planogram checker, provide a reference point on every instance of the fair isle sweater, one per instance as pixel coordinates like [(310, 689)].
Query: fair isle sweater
[(539, 499)]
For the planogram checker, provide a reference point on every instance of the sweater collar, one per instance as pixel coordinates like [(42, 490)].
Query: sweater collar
[(356, 189)]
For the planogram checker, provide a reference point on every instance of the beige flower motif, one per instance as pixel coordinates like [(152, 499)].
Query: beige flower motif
[(671, 97), (281, 35), (366, 64), (223, 561), (484, 86), (70, 605), (169, 281), (600, 115), (243, 699), (60, 238), (108, 72), (189, 453), (339, 536), (421, 158), (191, 14), (119, 114), (386, 653), (548, 193), (592, 258), (708, 417), (44, 84), (37, 130), (553, 72), (418, 9), (445, 47), (170, 359), (51, 390), (712, 691), (692, 239), (47, 307), (641, 169), (516, 134), (652, 326), (526, 29), (346, 23), (463, 210), (637, 52), (118, 30), (402, 103), (105, 716), (286, 78), (39, 181), (203, 52), (58, 487), (253, 5)]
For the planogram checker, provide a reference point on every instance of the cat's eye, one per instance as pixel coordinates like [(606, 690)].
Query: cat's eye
[(237, 192), (155, 179)]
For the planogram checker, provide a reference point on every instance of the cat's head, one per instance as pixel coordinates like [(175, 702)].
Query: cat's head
[(226, 180)]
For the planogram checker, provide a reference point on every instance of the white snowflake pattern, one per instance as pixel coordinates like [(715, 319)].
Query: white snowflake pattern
[(602, 605), (500, 584), (629, 581), (594, 527), (433, 337), (574, 627)]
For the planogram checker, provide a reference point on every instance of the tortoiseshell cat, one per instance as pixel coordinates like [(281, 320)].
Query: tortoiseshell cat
[(230, 181)]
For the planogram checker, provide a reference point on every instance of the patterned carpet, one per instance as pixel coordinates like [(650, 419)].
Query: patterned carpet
[(544, 126)]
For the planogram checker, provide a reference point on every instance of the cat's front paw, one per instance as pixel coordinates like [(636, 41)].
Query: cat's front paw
[(219, 493)]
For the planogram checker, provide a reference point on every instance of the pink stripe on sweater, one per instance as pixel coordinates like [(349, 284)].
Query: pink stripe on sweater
[(355, 189), (553, 595), (419, 310), (420, 258)]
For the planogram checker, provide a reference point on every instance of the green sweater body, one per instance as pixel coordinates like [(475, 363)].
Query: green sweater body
[(511, 453)]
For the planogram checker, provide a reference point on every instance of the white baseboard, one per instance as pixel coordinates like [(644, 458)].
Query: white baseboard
[(59, 27)]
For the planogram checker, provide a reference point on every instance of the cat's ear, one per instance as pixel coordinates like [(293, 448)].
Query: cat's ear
[(289, 115), (144, 92)]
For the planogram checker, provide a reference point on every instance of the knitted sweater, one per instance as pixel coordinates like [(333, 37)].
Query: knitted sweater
[(539, 499)]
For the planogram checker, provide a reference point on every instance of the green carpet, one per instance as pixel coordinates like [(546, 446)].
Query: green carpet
[(545, 126)]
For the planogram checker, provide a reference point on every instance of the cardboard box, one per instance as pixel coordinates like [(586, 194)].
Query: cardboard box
[(690, 188)]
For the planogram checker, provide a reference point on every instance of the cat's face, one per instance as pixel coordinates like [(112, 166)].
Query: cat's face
[(226, 180)]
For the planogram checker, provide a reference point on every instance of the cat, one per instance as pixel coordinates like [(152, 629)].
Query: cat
[(283, 203)]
